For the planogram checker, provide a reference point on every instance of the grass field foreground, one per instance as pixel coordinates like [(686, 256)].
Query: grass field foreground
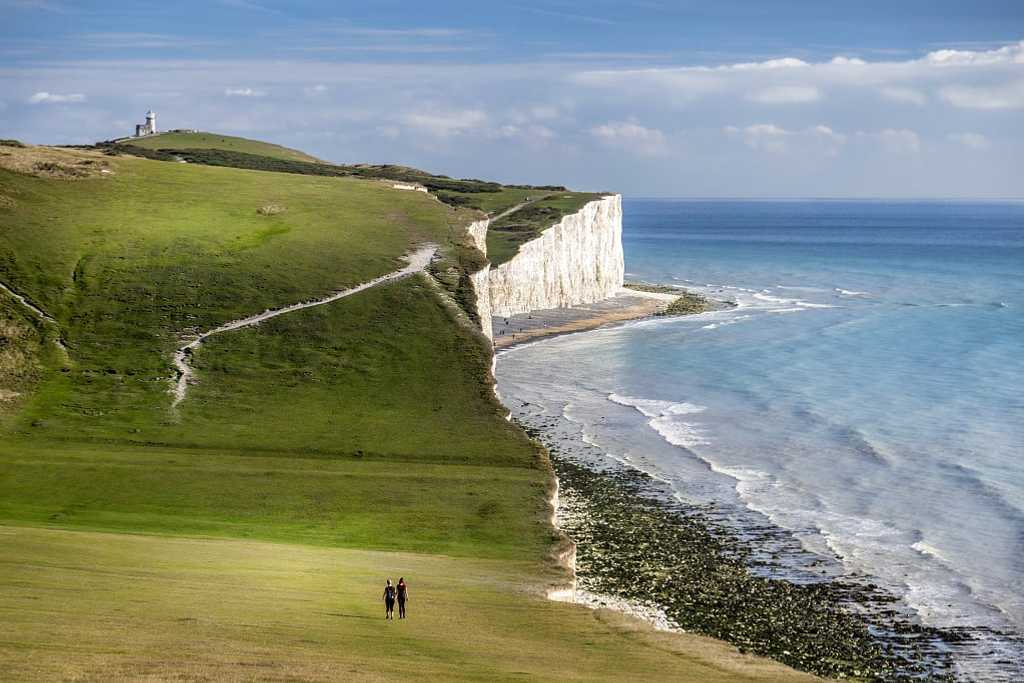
[(130, 607)]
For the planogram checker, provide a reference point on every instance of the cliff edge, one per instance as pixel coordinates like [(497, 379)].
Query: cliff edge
[(578, 260)]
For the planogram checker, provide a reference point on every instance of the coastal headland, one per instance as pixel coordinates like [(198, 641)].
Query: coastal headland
[(246, 532)]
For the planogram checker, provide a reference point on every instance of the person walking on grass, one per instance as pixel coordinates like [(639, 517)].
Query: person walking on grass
[(389, 601), (403, 595)]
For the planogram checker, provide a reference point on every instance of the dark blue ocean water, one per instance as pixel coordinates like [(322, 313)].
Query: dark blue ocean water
[(866, 394)]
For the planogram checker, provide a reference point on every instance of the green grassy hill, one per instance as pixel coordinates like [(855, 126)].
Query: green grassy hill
[(247, 533), (218, 141)]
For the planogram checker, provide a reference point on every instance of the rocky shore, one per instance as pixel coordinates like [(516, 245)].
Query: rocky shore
[(638, 544)]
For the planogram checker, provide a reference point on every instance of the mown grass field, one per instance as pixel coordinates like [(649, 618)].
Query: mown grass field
[(247, 534), (217, 141), (129, 607)]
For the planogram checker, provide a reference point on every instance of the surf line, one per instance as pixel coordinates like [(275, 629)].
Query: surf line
[(39, 313), (417, 262)]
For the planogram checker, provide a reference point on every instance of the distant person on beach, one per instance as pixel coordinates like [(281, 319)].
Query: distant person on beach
[(389, 601), (403, 595)]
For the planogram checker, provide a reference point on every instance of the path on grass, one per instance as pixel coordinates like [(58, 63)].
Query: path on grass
[(506, 212), (40, 313), (418, 260)]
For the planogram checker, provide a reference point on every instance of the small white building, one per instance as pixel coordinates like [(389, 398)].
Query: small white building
[(147, 128)]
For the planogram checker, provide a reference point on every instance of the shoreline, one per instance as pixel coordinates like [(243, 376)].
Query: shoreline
[(837, 627), (626, 306), (670, 565)]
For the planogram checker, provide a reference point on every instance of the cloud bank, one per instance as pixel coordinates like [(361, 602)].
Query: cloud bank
[(945, 123)]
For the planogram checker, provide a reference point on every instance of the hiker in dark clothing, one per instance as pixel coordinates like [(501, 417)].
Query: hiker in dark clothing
[(403, 595), (389, 601)]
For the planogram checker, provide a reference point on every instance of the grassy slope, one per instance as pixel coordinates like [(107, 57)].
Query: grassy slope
[(218, 141), (127, 269), (367, 423)]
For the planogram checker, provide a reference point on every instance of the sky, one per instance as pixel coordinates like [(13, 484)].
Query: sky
[(693, 98)]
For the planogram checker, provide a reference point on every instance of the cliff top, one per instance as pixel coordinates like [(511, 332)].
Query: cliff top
[(530, 209)]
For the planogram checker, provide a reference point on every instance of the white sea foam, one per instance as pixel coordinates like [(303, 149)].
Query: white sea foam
[(591, 439), (926, 549), (665, 419), (730, 321), (763, 296), (652, 407), (790, 305), (849, 292), (801, 288), (677, 433)]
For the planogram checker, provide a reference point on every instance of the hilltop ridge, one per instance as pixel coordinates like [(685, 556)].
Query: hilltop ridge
[(206, 140)]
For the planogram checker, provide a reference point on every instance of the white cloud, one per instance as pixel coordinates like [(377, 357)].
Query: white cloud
[(534, 134), (784, 63), (975, 141), (904, 95), (988, 79), (827, 133), (134, 40), (603, 128), (786, 94), (895, 140), (422, 32), (54, 98), (1004, 96), (35, 5), (446, 123), (534, 113), (761, 136), (247, 5), (243, 92), (631, 136), (1008, 54), (545, 112), (769, 137)]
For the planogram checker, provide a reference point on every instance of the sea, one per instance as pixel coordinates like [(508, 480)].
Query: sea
[(863, 394)]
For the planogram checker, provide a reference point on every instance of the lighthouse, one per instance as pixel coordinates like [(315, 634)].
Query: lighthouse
[(147, 128)]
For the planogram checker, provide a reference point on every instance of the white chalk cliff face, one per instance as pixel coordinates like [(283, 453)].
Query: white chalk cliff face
[(478, 233), (578, 260)]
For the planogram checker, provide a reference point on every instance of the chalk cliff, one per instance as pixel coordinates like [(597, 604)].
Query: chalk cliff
[(576, 261)]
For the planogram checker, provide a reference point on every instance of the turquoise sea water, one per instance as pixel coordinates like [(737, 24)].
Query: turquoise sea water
[(866, 394)]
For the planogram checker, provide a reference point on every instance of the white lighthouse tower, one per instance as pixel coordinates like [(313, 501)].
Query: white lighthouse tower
[(147, 128)]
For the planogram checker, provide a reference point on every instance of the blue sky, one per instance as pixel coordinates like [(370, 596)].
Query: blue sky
[(691, 98)]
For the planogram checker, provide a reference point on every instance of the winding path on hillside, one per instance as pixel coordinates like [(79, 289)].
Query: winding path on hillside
[(38, 312), (418, 261)]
